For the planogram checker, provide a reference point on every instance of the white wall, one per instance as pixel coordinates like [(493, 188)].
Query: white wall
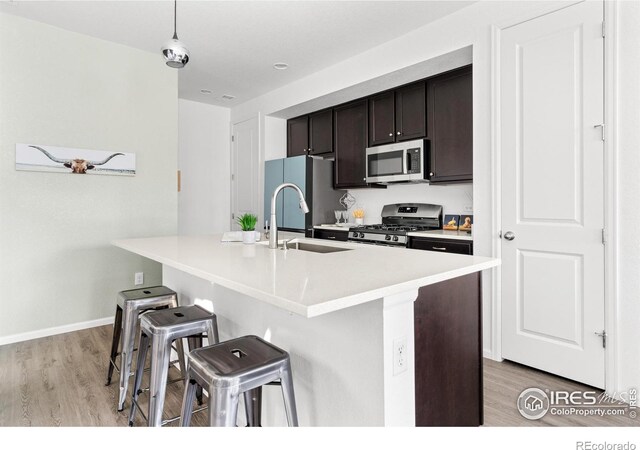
[(59, 88), (628, 168), (275, 138), (204, 160), (472, 26)]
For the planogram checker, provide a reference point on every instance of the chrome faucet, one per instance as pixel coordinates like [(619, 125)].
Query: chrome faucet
[(273, 226)]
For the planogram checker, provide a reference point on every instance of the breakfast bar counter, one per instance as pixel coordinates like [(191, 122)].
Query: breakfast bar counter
[(344, 311)]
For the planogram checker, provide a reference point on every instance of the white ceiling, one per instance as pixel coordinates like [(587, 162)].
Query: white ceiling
[(234, 44)]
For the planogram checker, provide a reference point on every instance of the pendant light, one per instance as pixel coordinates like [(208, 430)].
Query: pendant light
[(175, 52)]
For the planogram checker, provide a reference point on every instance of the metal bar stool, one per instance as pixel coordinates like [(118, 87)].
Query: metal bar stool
[(162, 328), (130, 305), (234, 367)]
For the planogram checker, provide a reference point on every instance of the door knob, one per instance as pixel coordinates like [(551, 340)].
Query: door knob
[(509, 236)]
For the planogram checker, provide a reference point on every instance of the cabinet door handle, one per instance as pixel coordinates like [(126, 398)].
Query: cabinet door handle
[(310, 150), (444, 249), (331, 237), (431, 174), (390, 134), (398, 133)]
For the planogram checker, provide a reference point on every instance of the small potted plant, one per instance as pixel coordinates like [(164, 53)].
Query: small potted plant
[(248, 224)]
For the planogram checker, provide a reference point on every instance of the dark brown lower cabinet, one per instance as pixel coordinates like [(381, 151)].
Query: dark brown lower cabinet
[(331, 234), (448, 353), (442, 245)]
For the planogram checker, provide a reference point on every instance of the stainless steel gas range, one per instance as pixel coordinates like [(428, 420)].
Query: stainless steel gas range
[(398, 220)]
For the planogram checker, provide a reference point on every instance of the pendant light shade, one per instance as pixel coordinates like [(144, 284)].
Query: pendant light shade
[(175, 53)]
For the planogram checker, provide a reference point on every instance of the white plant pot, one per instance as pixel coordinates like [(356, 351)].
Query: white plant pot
[(359, 221), (249, 237)]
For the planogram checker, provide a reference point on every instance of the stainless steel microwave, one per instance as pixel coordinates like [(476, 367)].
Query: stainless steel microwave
[(392, 163)]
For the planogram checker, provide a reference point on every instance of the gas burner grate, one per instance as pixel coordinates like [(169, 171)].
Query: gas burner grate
[(393, 228)]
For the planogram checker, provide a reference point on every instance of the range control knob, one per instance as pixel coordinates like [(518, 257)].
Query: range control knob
[(387, 238), (355, 234), (395, 238), (361, 235)]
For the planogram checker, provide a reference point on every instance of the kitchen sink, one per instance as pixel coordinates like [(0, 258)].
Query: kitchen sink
[(315, 248)]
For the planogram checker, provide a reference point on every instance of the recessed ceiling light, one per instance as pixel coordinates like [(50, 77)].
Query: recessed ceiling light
[(205, 91), (228, 97), (281, 66)]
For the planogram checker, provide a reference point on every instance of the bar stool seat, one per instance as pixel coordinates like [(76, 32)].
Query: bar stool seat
[(162, 328), (234, 367), (130, 305)]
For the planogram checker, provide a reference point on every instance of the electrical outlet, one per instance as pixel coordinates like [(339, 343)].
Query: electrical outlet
[(138, 278), (399, 355)]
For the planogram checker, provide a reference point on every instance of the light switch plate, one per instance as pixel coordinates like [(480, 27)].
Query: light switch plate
[(138, 279)]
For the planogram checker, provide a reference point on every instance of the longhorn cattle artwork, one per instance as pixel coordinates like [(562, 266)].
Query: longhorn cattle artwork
[(76, 161)]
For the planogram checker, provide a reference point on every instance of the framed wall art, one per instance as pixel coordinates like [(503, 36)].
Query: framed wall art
[(46, 158)]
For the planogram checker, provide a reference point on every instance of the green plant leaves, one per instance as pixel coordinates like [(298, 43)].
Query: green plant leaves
[(247, 222)]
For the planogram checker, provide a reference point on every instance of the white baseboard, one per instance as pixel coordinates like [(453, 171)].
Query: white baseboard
[(487, 353), (4, 340)]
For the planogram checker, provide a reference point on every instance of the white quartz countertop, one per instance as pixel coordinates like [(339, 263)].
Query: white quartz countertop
[(306, 283), (443, 234)]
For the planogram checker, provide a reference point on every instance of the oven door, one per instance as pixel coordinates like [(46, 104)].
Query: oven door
[(395, 162)]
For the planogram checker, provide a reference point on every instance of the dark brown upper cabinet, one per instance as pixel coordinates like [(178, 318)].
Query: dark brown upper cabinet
[(311, 134), (450, 126), (321, 132), (438, 108), (411, 108), (382, 119), (350, 144), (297, 136), (398, 115)]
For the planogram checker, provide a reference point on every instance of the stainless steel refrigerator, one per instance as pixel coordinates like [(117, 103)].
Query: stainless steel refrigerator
[(315, 178)]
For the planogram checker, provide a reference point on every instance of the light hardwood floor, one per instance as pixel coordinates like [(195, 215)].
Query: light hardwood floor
[(59, 381)]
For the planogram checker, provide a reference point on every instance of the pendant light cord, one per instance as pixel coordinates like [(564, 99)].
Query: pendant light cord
[(175, 14)]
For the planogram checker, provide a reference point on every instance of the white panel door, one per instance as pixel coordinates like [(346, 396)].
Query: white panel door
[(245, 180), (551, 75)]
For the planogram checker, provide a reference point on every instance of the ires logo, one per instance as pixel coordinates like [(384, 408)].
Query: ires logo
[(535, 403), (575, 398)]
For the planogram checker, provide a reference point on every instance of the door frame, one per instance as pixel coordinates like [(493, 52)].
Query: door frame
[(234, 169), (611, 300)]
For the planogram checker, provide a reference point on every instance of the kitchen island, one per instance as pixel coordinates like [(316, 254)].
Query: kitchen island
[(346, 317)]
